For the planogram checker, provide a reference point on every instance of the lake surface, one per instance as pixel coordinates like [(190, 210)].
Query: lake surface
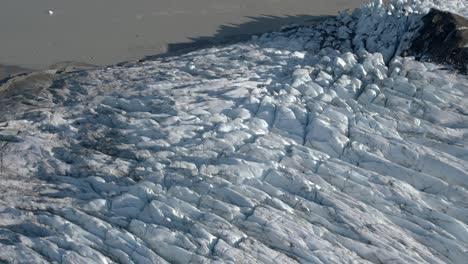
[(110, 31)]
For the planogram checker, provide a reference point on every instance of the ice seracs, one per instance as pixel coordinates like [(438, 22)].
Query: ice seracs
[(296, 147)]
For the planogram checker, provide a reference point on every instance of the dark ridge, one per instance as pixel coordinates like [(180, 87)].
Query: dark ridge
[(443, 38)]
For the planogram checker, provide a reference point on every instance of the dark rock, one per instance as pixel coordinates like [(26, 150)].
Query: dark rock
[(443, 39)]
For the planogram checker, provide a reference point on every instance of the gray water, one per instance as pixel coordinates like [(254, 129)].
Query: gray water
[(110, 31)]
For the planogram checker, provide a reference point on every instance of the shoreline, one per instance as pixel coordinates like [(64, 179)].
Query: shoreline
[(7, 71), (118, 31)]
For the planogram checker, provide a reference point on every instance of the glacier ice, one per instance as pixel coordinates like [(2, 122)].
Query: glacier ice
[(316, 144)]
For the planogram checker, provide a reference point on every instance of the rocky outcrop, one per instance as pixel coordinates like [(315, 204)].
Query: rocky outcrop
[(443, 39)]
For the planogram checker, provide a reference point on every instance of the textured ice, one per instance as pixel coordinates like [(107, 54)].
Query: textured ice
[(314, 145)]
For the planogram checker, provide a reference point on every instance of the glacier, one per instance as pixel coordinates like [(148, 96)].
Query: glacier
[(315, 144)]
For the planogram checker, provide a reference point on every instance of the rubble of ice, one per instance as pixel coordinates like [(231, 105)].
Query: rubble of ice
[(312, 145)]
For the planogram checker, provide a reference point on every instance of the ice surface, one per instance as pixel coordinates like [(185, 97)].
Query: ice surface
[(312, 145)]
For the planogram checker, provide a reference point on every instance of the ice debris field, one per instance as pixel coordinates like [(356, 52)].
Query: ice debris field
[(315, 144)]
